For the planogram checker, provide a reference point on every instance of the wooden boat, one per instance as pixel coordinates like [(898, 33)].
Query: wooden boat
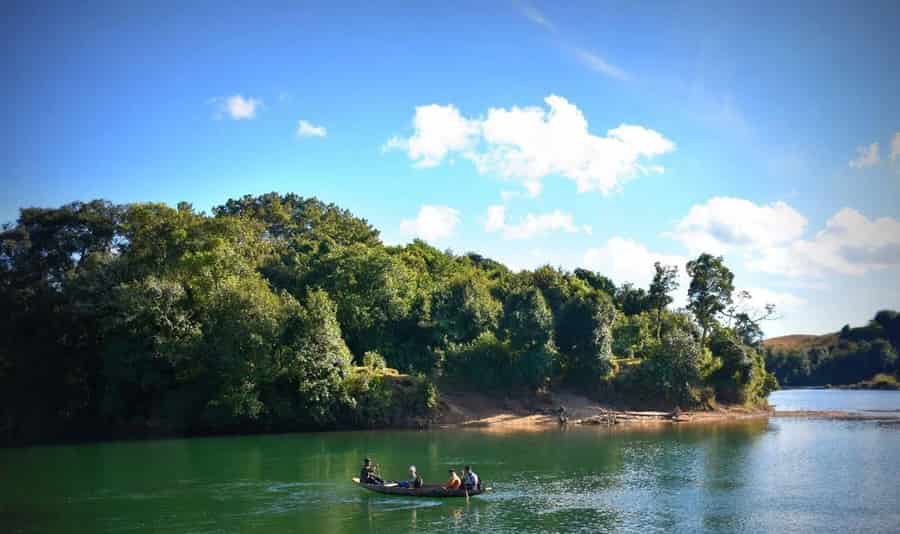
[(427, 490)]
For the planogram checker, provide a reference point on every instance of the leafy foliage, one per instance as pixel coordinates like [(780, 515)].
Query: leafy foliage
[(709, 294), (146, 319)]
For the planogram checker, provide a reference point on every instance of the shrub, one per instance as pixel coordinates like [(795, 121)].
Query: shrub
[(373, 360)]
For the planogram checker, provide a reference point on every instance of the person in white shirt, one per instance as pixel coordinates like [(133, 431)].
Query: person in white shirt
[(470, 479)]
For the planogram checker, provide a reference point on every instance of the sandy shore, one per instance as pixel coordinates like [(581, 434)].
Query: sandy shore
[(474, 410)]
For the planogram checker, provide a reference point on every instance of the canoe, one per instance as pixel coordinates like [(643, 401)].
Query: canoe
[(427, 490)]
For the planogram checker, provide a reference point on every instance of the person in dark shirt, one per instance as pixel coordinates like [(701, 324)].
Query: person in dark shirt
[(367, 473)]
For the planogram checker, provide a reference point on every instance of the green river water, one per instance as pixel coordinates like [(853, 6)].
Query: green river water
[(776, 475)]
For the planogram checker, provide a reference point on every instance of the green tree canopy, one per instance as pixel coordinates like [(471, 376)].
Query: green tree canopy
[(709, 294)]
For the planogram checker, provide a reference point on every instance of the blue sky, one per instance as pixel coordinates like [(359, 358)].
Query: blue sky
[(765, 132)]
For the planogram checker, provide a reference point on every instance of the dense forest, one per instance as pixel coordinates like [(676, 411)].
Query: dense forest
[(865, 355), (279, 312)]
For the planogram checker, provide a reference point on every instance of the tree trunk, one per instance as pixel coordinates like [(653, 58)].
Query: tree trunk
[(658, 324)]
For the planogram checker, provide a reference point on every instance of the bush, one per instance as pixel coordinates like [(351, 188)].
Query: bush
[(671, 374), (373, 360), (384, 397)]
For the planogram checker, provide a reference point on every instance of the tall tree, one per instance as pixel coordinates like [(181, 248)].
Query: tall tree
[(665, 281), (527, 324), (632, 300), (712, 284)]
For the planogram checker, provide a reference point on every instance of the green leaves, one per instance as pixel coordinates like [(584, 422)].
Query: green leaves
[(158, 319), (709, 294)]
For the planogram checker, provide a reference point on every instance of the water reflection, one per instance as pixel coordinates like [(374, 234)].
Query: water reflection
[(749, 476)]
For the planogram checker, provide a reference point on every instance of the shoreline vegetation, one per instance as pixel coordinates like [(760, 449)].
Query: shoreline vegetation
[(862, 357), (278, 313)]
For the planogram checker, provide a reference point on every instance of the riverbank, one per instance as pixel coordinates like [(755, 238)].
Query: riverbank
[(475, 410)]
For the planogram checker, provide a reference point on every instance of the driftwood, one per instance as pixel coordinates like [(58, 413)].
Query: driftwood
[(625, 416)]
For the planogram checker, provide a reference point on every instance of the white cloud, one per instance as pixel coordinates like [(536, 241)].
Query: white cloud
[(625, 260), (769, 237), (866, 156), (895, 148), (535, 16), (528, 144), (850, 244), (597, 63), (762, 296), (531, 225), (432, 223), (308, 129), (496, 218), (438, 131), (723, 223), (236, 107)]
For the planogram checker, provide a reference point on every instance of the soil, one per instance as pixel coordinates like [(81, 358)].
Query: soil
[(476, 410)]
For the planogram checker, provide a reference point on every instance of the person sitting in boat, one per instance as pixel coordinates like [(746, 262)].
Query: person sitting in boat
[(367, 475), (415, 481), (454, 483), (470, 478)]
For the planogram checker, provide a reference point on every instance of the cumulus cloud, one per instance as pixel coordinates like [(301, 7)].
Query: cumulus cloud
[(528, 144), (308, 129), (598, 64), (850, 244), (723, 223), (866, 156), (770, 239), (432, 223), (625, 260), (236, 107), (438, 131), (531, 225)]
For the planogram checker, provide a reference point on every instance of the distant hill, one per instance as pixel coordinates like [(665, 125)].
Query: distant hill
[(801, 342), (852, 356)]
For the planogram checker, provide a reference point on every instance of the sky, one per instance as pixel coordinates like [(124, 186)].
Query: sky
[(603, 135)]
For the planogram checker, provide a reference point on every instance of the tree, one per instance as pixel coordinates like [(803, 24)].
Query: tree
[(585, 334), (527, 325), (675, 369), (311, 364), (464, 308), (372, 289), (303, 222), (889, 320), (632, 300), (745, 318), (633, 334), (709, 294), (597, 281), (665, 281)]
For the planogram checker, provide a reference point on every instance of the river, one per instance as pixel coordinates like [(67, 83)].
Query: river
[(776, 475)]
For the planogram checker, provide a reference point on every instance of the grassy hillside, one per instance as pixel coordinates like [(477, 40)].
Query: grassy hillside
[(853, 356), (801, 342)]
